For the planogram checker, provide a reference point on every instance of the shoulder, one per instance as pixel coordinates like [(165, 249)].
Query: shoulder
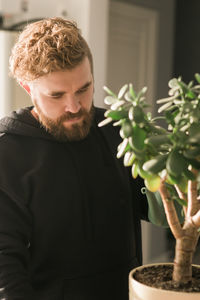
[(110, 132)]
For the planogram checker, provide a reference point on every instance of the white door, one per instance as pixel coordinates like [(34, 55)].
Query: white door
[(132, 48), (140, 51)]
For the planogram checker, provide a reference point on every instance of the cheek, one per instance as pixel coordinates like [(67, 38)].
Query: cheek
[(87, 99), (48, 108)]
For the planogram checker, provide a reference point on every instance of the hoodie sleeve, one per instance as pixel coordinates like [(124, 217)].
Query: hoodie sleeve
[(139, 197), (15, 232)]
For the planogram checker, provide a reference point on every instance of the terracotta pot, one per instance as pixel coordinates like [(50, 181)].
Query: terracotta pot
[(140, 291)]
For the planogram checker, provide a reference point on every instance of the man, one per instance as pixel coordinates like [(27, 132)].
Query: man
[(69, 211)]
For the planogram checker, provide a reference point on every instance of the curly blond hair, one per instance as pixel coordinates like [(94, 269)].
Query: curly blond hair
[(45, 46)]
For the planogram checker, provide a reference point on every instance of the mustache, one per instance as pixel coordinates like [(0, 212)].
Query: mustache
[(69, 116)]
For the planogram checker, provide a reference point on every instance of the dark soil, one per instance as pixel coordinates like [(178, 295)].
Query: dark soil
[(160, 276)]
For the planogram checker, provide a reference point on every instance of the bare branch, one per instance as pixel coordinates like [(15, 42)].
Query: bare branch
[(171, 214), (196, 219), (181, 196), (193, 203)]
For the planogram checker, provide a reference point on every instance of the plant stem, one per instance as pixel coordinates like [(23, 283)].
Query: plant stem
[(184, 251), (186, 236), (181, 196), (170, 212), (193, 203)]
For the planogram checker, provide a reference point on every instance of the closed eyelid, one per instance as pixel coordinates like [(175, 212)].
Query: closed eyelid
[(59, 94), (84, 88), (56, 95)]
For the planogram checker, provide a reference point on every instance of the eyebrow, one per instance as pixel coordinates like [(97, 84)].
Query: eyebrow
[(56, 93), (87, 84)]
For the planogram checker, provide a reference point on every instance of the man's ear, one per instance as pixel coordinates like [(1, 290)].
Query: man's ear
[(26, 87)]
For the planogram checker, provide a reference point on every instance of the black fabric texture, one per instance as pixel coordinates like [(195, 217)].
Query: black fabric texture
[(69, 214)]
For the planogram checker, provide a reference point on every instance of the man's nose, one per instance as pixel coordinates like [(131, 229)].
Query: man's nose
[(72, 104)]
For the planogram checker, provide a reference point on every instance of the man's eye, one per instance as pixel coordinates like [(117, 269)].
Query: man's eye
[(56, 96), (82, 90)]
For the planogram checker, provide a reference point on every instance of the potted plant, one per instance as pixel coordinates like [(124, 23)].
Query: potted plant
[(167, 157)]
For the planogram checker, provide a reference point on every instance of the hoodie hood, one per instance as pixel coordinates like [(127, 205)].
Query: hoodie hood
[(22, 122)]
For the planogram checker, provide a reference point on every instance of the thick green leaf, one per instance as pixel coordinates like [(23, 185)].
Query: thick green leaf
[(141, 92), (153, 183), (115, 114), (122, 148), (195, 139), (170, 116), (165, 106), (194, 129), (171, 179), (134, 170), (105, 122), (156, 164), (131, 91), (139, 136), (191, 95), (108, 91), (183, 184), (197, 77), (131, 113), (117, 105), (122, 91), (157, 140), (195, 163), (138, 114), (144, 174), (129, 158), (192, 152), (176, 163), (173, 83), (189, 175), (127, 128), (110, 100), (183, 86)]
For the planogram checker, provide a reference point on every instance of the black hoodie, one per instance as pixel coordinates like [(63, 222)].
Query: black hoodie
[(69, 219)]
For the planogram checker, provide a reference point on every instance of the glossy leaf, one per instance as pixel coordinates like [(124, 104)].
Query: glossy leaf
[(138, 114), (131, 91), (156, 164), (115, 114), (144, 174), (153, 183), (173, 83), (197, 77), (110, 100), (134, 170), (105, 122), (122, 91), (129, 158), (127, 128), (176, 163), (108, 91), (122, 148), (192, 152), (139, 136), (157, 140)]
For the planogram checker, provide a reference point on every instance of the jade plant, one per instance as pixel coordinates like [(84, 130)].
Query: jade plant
[(166, 156)]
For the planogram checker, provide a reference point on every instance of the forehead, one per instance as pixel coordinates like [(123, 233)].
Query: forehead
[(66, 79)]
